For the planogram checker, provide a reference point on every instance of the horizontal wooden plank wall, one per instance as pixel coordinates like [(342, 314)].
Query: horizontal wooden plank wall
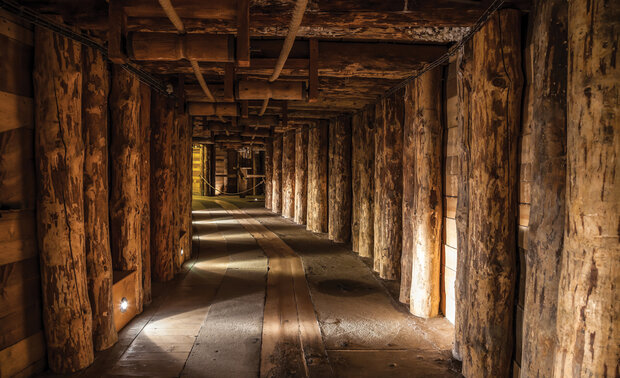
[(221, 169), (197, 161), (450, 192), (22, 346)]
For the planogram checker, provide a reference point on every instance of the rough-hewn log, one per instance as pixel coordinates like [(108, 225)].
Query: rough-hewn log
[(588, 311), (277, 90), (59, 152), (366, 186), (185, 186), (379, 187), (172, 46), (356, 141), (409, 168), (387, 257), (317, 177), (268, 174), (125, 201), (95, 88), (495, 103), (276, 179), (463, 84), (213, 109), (178, 119), (546, 224), (145, 189), (162, 268), (301, 175), (428, 201), (339, 210), (288, 174)]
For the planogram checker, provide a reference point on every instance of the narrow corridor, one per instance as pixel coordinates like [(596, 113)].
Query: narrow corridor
[(218, 318)]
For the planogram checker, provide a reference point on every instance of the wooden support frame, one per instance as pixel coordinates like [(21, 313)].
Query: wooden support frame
[(313, 72), (244, 109), (224, 109), (117, 22), (243, 33), (166, 47), (277, 90), (284, 114), (229, 82)]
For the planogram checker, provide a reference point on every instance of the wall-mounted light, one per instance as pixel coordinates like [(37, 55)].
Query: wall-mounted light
[(181, 251), (124, 304)]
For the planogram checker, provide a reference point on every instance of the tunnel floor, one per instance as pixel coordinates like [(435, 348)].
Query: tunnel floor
[(264, 297)]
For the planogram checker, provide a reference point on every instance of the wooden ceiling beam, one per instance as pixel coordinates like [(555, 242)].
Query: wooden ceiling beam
[(173, 47)]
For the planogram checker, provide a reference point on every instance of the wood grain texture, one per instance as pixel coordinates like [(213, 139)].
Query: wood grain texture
[(391, 182), (268, 174), (548, 186), (125, 202), (17, 178), (495, 110), (145, 190), (464, 87), (185, 188), (276, 187), (301, 175), (378, 213), (588, 312), (366, 183), (60, 202), (95, 90), (408, 207), (288, 174), (162, 183), (356, 136), (317, 176), (428, 204), (339, 190)]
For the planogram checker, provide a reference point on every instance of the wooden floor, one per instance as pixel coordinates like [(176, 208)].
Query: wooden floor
[(264, 297)]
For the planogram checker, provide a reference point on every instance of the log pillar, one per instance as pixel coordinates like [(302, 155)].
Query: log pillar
[(409, 187), (125, 201), (162, 183), (493, 172), (276, 179), (317, 176), (288, 174), (427, 188), (59, 152), (145, 189), (185, 186), (301, 175), (177, 119), (356, 141), (387, 256), (95, 88), (366, 183), (588, 312), (268, 173), (379, 186), (339, 205), (546, 224)]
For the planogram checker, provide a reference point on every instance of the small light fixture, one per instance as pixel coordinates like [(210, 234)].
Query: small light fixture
[(181, 251), (124, 304)]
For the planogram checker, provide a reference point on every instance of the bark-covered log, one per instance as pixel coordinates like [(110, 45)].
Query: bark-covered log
[(495, 103), (288, 174), (366, 186), (546, 224), (59, 152), (145, 189), (339, 207), (317, 176), (95, 88), (268, 173), (387, 257), (379, 187), (276, 179), (428, 202), (185, 186), (301, 175), (125, 222), (356, 155), (177, 259), (588, 312), (464, 87), (409, 168), (162, 182)]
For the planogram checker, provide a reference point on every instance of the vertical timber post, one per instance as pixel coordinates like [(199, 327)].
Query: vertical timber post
[(495, 110), (162, 244), (268, 173), (366, 180), (409, 182), (588, 311), (548, 187), (301, 175), (339, 210), (276, 187), (145, 189), (95, 89), (317, 177), (288, 174), (59, 153), (427, 189), (379, 185)]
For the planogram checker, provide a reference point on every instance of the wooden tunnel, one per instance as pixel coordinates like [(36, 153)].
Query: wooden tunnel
[(467, 155)]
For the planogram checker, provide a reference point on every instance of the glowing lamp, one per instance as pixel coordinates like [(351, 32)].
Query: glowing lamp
[(181, 251), (124, 304)]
